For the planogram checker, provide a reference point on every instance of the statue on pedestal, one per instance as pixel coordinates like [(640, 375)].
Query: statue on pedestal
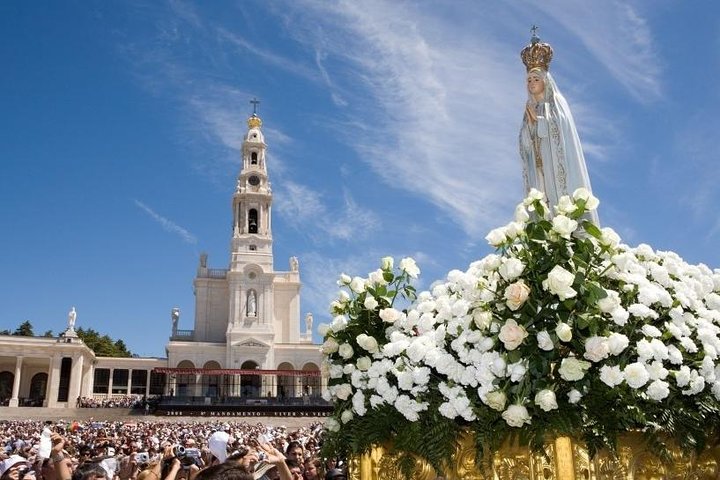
[(294, 264), (552, 156), (308, 323), (175, 316), (72, 316)]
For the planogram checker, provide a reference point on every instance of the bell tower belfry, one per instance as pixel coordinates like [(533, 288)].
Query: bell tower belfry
[(251, 204)]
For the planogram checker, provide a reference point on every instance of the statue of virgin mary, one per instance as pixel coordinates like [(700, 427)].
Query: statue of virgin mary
[(552, 157)]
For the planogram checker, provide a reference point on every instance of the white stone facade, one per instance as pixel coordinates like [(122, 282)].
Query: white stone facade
[(247, 316)]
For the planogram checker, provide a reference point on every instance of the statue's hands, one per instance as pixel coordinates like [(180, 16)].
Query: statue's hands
[(530, 113)]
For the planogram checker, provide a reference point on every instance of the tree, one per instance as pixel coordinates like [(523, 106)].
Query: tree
[(5, 332), (48, 334), (25, 329), (103, 345)]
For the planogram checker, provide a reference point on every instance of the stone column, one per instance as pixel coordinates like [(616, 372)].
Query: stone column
[(76, 377), (14, 401), (129, 387), (147, 383), (53, 381), (88, 381), (110, 382)]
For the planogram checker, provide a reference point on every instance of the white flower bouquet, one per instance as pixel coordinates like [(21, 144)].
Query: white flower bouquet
[(562, 331)]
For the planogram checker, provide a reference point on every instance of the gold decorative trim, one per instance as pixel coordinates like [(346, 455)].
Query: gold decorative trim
[(563, 459)]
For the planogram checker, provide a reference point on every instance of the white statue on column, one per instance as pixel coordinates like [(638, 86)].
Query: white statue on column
[(175, 316), (294, 264), (308, 323), (552, 156), (72, 316)]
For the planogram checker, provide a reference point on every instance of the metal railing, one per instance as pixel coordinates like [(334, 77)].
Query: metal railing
[(183, 335)]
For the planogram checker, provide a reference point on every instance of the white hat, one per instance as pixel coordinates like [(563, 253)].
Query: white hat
[(261, 468), (10, 462)]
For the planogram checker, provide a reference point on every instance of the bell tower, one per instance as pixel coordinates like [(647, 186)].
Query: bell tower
[(251, 204)]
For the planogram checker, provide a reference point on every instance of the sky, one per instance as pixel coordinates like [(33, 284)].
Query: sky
[(391, 128)]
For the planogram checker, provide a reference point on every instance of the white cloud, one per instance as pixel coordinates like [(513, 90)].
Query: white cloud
[(305, 210), (167, 224)]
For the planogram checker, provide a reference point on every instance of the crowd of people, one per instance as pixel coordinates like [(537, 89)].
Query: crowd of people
[(125, 401), (31, 450)]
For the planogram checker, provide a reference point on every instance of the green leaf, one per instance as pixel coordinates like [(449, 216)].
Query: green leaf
[(592, 229)]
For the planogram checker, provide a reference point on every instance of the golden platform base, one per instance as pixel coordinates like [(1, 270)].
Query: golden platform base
[(565, 460)]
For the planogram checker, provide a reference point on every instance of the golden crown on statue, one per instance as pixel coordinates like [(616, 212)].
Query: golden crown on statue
[(537, 54)]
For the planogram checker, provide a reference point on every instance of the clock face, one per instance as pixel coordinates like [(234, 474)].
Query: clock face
[(254, 181)]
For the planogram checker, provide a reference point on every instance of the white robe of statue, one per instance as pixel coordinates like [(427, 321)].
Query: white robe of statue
[(552, 157)]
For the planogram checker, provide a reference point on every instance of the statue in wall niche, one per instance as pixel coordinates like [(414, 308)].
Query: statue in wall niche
[(72, 316), (252, 304), (308, 323), (294, 264)]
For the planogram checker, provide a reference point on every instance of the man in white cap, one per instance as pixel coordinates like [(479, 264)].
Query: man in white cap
[(13, 467)]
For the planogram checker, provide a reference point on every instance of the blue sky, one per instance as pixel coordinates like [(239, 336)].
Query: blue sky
[(392, 130)]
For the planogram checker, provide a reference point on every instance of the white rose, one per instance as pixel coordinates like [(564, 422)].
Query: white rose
[(516, 371), (496, 400), (617, 342), (346, 416), (516, 416), (377, 278), (636, 375), (651, 331), (611, 375), (329, 346), (563, 331), (346, 351), (367, 342), (343, 391), (574, 396), (658, 390), (596, 349), (323, 329), (386, 263), (546, 400), (390, 315), (363, 363), (511, 269), (513, 229), (559, 282), (564, 226), (512, 334), (482, 318), (516, 294), (609, 238), (544, 341), (521, 215), (344, 279), (409, 266), (591, 202), (332, 425), (370, 303), (610, 302), (357, 285), (339, 323), (496, 237), (572, 369), (565, 206)]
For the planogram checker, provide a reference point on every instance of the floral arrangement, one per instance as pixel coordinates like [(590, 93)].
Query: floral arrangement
[(562, 331)]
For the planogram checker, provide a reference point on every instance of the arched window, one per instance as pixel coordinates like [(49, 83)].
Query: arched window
[(6, 386), (253, 158), (253, 221), (38, 387), (250, 384)]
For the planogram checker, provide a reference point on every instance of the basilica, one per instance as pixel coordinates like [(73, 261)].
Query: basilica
[(247, 343)]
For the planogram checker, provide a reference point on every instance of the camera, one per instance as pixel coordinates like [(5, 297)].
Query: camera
[(187, 456), (142, 457), (22, 471)]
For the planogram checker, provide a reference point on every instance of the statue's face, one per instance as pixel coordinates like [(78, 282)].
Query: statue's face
[(535, 84)]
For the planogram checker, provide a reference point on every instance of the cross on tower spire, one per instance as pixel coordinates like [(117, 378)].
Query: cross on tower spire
[(255, 102)]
